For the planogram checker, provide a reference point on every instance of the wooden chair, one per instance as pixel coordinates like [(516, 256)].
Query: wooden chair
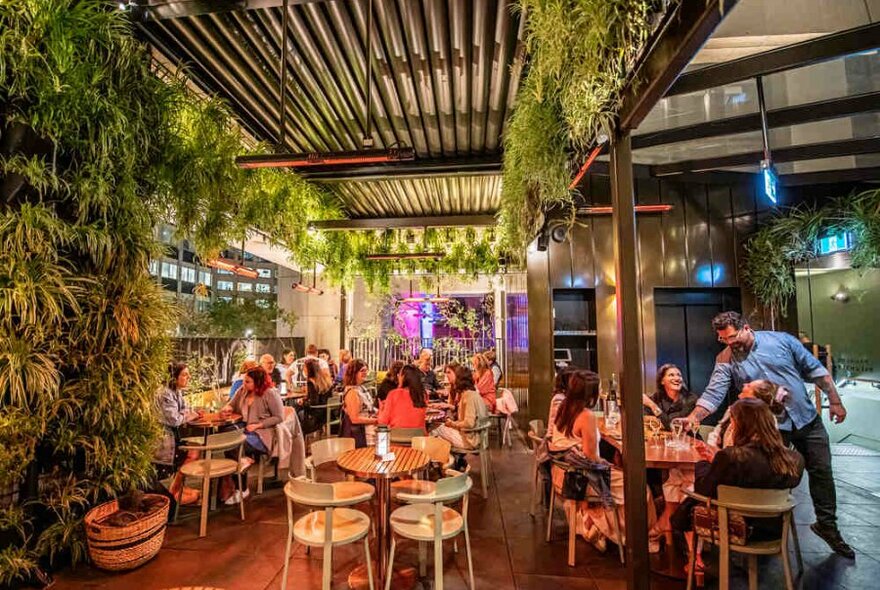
[(570, 507), (403, 436), (482, 451), (426, 519), (536, 435), (439, 452), (209, 468), (334, 525), (750, 503)]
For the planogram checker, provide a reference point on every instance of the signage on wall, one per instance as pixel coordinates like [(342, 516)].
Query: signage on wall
[(832, 243)]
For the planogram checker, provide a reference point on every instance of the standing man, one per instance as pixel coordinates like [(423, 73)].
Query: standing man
[(782, 359), (426, 371)]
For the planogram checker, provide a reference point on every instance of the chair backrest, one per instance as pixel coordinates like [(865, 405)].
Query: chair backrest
[(537, 426), (756, 502), (482, 429), (405, 435), (328, 449), (310, 493), (436, 448), (452, 487), (506, 403), (704, 431), (219, 442)]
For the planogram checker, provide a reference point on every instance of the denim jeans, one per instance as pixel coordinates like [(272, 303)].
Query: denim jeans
[(811, 441)]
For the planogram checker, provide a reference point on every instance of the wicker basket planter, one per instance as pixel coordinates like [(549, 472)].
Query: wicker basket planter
[(118, 548)]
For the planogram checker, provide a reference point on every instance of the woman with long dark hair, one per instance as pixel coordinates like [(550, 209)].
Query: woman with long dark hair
[(761, 389), (405, 406), (575, 419), (318, 390), (175, 412), (757, 458), (471, 412), (391, 380), (671, 399), (556, 440), (260, 406), (357, 405)]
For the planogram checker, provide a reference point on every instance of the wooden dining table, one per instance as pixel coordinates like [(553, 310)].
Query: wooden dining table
[(364, 463), (210, 421), (669, 563)]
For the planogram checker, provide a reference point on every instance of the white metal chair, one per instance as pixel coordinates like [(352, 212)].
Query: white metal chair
[(209, 468), (506, 409), (750, 503), (439, 452), (426, 519), (327, 528), (404, 436), (327, 450), (482, 451), (334, 403), (536, 437), (570, 507)]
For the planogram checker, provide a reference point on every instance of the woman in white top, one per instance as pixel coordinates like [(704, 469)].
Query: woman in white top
[(557, 440)]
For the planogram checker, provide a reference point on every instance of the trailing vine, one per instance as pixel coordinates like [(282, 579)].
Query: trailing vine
[(581, 54), (792, 238)]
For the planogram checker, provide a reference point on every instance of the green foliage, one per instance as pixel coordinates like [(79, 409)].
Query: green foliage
[(581, 55), (225, 319), (792, 238)]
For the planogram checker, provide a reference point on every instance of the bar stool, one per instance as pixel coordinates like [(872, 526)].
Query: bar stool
[(426, 519), (332, 526)]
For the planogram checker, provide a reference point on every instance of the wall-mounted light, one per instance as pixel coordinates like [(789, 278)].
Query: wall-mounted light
[(233, 267), (302, 287), (842, 296), (406, 256), (637, 208)]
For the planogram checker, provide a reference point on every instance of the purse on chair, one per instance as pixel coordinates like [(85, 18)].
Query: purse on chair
[(706, 525), (574, 485)]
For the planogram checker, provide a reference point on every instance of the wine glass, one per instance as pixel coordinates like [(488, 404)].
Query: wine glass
[(656, 426)]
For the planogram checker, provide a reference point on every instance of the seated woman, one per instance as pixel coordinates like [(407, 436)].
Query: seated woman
[(318, 390), (357, 406), (484, 380), (391, 381), (762, 389), (575, 419), (246, 366), (175, 413), (405, 406), (557, 441), (671, 400), (470, 414), (756, 459), (261, 409)]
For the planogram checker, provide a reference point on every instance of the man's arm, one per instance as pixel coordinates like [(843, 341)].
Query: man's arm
[(835, 406), (714, 393)]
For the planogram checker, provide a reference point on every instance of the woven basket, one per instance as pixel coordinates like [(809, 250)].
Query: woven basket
[(125, 547)]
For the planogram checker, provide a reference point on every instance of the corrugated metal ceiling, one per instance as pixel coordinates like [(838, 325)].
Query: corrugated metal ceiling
[(445, 74)]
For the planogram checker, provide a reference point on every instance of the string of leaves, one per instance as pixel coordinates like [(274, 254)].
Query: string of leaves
[(581, 53), (792, 238)]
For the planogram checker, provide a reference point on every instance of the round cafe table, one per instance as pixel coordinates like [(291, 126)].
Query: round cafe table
[(364, 463), (210, 421)]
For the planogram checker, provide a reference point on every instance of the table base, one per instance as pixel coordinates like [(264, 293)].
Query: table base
[(402, 578), (669, 562)]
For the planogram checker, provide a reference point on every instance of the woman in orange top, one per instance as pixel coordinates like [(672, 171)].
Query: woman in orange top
[(405, 406), (484, 380)]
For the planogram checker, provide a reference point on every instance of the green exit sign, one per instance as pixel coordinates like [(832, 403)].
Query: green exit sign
[(838, 242)]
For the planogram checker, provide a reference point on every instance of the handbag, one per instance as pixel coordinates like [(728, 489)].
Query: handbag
[(706, 525), (574, 485)]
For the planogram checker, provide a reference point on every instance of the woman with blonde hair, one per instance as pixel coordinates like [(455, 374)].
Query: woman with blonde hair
[(484, 380)]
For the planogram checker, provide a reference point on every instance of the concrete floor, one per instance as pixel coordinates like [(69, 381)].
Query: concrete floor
[(508, 545)]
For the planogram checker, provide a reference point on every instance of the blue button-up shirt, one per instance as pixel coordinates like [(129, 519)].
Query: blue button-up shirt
[(778, 357)]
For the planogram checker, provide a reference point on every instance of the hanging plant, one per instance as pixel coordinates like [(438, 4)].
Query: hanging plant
[(792, 238), (581, 54)]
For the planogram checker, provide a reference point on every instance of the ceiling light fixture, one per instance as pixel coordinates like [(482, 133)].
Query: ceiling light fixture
[(406, 256), (233, 267), (768, 171), (638, 209)]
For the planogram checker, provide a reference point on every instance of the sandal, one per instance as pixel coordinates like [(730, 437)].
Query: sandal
[(189, 497)]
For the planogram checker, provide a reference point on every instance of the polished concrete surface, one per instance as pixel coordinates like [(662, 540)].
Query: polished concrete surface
[(508, 545)]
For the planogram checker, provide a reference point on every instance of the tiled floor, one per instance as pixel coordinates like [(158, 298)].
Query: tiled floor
[(509, 550)]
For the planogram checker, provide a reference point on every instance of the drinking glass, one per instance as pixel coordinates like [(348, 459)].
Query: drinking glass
[(680, 428)]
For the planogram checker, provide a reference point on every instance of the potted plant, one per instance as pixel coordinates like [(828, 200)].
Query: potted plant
[(127, 532)]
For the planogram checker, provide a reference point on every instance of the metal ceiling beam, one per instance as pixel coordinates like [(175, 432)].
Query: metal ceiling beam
[(794, 115), (813, 151), (824, 48), (685, 28), (473, 166), (831, 176), (404, 222), (181, 8)]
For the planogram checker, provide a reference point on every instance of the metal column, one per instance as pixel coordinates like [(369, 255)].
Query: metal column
[(629, 354)]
